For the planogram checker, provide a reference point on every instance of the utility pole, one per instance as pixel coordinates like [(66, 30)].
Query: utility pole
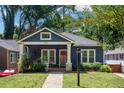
[(78, 68)]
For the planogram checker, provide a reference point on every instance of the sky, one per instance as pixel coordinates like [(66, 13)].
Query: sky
[(77, 7)]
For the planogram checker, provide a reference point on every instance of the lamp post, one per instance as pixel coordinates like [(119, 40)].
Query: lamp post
[(78, 68)]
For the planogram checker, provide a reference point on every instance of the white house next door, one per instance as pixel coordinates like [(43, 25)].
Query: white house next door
[(48, 56)]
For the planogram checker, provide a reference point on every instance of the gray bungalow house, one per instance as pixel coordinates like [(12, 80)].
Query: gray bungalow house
[(59, 49), (9, 54)]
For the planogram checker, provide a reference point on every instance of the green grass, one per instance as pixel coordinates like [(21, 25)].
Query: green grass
[(93, 80), (25, 80)]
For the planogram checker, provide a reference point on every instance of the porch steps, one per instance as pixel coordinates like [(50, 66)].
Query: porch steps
[(56, 69)]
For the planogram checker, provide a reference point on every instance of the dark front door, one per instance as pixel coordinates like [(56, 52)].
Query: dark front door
[(63, 57)]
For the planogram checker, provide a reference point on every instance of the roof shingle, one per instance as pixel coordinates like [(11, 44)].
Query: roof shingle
[(80, 40), (9, 44)]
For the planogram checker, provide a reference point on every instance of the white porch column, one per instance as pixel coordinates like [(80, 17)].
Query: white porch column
[(69, 64), (21, 51)]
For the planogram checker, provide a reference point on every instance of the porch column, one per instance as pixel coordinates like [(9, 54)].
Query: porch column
[(69, 64), (21, 51)]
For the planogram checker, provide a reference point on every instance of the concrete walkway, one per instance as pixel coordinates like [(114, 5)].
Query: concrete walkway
[(54, 80), (119, 74)]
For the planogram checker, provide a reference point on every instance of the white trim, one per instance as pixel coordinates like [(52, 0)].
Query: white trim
[(60, 50), (41, 38), (21, 51), (114, 62), (27, 50), (45, 43), (88, 50), (48, 52), (48, 30), (68, 53)]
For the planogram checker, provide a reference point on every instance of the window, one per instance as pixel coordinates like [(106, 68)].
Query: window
[(45, 36), (113, 56), (116, 56), (91, 56), (12, 57), (48, 56), (88, 55), (84, 56), (45, 56), (52, 57), (107, 57), (121, 56)]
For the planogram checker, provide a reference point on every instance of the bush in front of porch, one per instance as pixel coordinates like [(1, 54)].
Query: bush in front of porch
[(37, 67), (26, 66), (97, 66)]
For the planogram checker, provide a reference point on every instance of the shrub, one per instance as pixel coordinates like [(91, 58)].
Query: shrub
[(86, 66), (24, 64), (96, 66), (37, 67), (91, 66), (105, 68)]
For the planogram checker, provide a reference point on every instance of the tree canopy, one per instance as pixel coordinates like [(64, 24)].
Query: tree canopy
[(103, 23)]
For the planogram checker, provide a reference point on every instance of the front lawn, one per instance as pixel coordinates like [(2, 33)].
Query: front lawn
[(25, 80), (93, 80)]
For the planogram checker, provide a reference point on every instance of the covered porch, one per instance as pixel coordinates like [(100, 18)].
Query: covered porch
[(53, 54)]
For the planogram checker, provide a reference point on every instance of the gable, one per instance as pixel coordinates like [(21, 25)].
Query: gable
[(36, 37)]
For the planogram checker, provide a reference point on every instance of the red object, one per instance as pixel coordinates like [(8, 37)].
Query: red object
[(3, 74), (115, 67)]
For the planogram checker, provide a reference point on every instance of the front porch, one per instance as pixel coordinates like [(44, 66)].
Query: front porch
[(56, 57)]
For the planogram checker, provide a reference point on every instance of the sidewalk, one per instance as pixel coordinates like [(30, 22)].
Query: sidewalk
[(54, 80), (119, 74)]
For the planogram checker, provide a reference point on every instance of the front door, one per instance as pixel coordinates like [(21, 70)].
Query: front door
[(63, 57)]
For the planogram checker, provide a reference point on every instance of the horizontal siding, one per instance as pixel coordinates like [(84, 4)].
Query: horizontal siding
[(99, 53), (3, 58), (54, 37)]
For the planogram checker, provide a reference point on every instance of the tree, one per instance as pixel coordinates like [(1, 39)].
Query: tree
[(8, 15), (1, 36), (33, 17), (64, 10), (86, 21), (110, 25)]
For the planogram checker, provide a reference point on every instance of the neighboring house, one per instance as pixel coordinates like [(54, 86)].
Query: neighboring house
[(9, 53), (60, 49), (115, 58), (74, 29)]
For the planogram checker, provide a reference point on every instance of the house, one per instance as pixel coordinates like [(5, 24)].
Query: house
[(59, 49), (115, 58), (74, 29), (9, 54)]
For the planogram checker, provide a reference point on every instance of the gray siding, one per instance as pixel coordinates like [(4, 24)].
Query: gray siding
[(3, 58), (54, 38)]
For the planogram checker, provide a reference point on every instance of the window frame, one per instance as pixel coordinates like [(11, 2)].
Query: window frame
[(88, 57), (41, 38), (12, 57), (48, 55)]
